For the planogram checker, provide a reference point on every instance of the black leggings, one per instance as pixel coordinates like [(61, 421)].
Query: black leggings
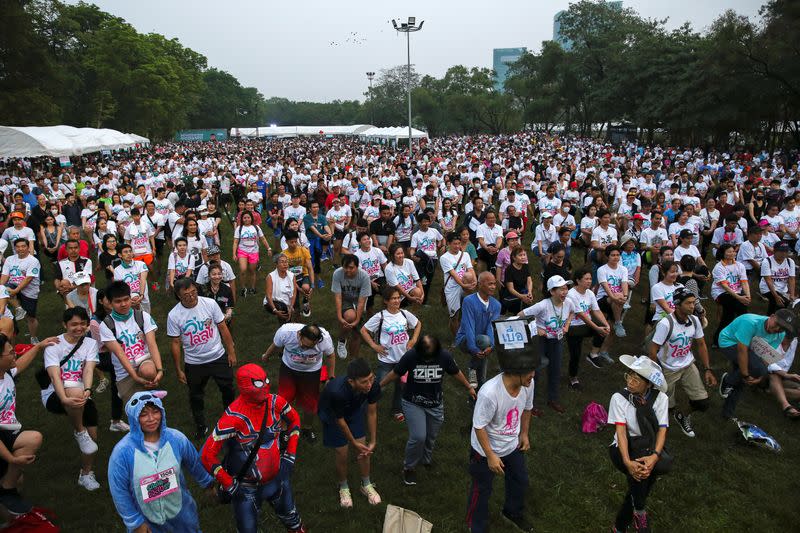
[(575, 337), (773, 304), (730, 309), (636, 498)]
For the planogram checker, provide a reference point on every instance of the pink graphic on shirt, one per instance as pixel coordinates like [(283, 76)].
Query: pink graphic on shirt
[(512, 421)]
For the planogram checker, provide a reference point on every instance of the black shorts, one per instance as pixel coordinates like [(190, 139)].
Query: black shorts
[(605, 307), (8, 438), (339, 234), (90, 417), (160, 243), (28, 304)]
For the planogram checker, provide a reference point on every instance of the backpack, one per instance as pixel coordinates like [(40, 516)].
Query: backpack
[(649, 338), (138, 316), (595, 418)]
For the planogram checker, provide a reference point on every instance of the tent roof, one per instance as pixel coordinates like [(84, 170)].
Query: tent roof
[(399, 132), (56, 141), (291, 131)]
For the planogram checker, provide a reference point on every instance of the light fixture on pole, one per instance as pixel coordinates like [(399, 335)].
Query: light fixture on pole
[(408, 28), (370, 76)]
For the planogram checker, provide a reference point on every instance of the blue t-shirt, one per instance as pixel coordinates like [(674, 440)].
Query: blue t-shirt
[(744, 328), (339, 400)]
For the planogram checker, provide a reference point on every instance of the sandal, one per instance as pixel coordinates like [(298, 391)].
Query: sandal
[(791, 412)]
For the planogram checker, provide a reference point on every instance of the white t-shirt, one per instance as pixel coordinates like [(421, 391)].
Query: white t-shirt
[(18, 269), (181, 265), (500, 415), (130, 275), (426, 241), (621, 411), (662, 291), (139, 237), (614, 278), (450, 262), (8, 402), (652, 237), (395, 332), (604, 236), (489, 235), (676, 352), (581, 303), (780, 272), (404, 275), (132, 339), (197, 328), (248, 238), (282, 288), (734, 274), (786, 363), (747, 252), (72, 370), (296, 356), (371, 261), (691, 250), (549, 317)]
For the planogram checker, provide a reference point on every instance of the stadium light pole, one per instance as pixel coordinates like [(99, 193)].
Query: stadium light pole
[(408, 28), (370, 76)]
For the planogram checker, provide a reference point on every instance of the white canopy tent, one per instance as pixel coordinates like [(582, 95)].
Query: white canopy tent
[(57, 141), (393, 133), (297, 131)]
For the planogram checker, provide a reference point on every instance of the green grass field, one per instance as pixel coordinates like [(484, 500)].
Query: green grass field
[(718, 483)]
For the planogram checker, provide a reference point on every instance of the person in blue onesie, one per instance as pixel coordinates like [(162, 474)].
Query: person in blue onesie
[(145, 471)]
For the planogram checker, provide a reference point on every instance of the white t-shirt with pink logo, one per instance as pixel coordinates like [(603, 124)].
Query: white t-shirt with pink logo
[(371, 261), (132, 339), (197, 329), (500, 414), (614, 277), (396, 330), (404, 275), (8, 402), (138, 235), (72, 369)]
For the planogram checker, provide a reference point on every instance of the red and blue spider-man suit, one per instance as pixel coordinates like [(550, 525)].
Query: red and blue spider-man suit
[(237, 431)]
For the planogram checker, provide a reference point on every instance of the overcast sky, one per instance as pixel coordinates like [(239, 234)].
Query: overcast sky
[(286, 48)]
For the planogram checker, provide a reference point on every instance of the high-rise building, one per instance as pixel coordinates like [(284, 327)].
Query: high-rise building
[(502, 58), (565, 43)]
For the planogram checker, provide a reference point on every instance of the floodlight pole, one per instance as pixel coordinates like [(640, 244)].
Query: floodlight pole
[(370, 76), (407, 28)]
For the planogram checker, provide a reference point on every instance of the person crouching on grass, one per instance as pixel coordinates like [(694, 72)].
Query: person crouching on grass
[(131, 337), (70, 366), (345, 405), (640, 415), (17, 448)]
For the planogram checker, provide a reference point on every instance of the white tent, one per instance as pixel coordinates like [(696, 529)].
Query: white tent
[(56, 141), (392, 133), (296, 131)]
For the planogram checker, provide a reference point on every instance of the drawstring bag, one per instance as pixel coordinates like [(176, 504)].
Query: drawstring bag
[(399, 520), (755, 435), (37, 520), (594, 418)]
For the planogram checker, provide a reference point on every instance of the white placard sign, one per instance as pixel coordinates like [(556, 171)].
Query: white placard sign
[(512, 334)]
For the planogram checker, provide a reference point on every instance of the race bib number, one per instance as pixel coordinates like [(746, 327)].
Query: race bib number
[(158, 485)]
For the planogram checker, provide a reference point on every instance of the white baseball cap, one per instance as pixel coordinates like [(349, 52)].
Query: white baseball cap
[(82, 277), (556, 282)]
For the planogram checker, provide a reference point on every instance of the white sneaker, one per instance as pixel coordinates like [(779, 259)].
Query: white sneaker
[(372, 495), (88, 481), (85, 443), (34, 340), (119, 426), (341, 350), (20, 313), (102, 385)]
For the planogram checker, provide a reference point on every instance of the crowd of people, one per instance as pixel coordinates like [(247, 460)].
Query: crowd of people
[(678, 234)]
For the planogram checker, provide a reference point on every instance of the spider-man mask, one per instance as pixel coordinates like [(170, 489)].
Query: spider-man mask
[(253, 383)]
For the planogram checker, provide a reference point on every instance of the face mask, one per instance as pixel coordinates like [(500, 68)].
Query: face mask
[(54, 212), (92, 208), (253, 383)]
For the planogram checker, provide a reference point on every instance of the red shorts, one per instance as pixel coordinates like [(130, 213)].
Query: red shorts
[(302, 386)]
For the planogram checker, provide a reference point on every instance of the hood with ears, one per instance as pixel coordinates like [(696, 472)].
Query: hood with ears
[(134, 408)]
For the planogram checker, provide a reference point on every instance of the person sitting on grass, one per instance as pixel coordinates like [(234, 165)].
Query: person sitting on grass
[(784, 385)]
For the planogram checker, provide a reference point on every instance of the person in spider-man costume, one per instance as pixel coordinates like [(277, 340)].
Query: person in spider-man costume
[(269, 476)]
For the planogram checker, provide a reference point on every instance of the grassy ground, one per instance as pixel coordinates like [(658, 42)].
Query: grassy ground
[(718, 484)]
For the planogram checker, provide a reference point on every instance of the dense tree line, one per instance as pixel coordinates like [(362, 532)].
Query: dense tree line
[(737, 82)]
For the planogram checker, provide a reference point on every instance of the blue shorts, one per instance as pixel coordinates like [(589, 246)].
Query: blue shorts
[(332, 436)]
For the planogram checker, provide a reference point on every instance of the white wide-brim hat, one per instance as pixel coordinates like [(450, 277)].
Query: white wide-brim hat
[(647, 368)]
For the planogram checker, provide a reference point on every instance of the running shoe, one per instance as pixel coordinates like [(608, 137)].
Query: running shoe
[(372, 495), (85, 443), (11, 500), (724, 390), (306, 312), (341, 350), (619, 329), (102, 385), (607, 358), (575, 384), (520, 522), (345, 499), (399, 417), (597, 361), (119, 426), (34, 340), (409, 477), (320, 283), (20, 313), (88, 481), (473, 378)]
